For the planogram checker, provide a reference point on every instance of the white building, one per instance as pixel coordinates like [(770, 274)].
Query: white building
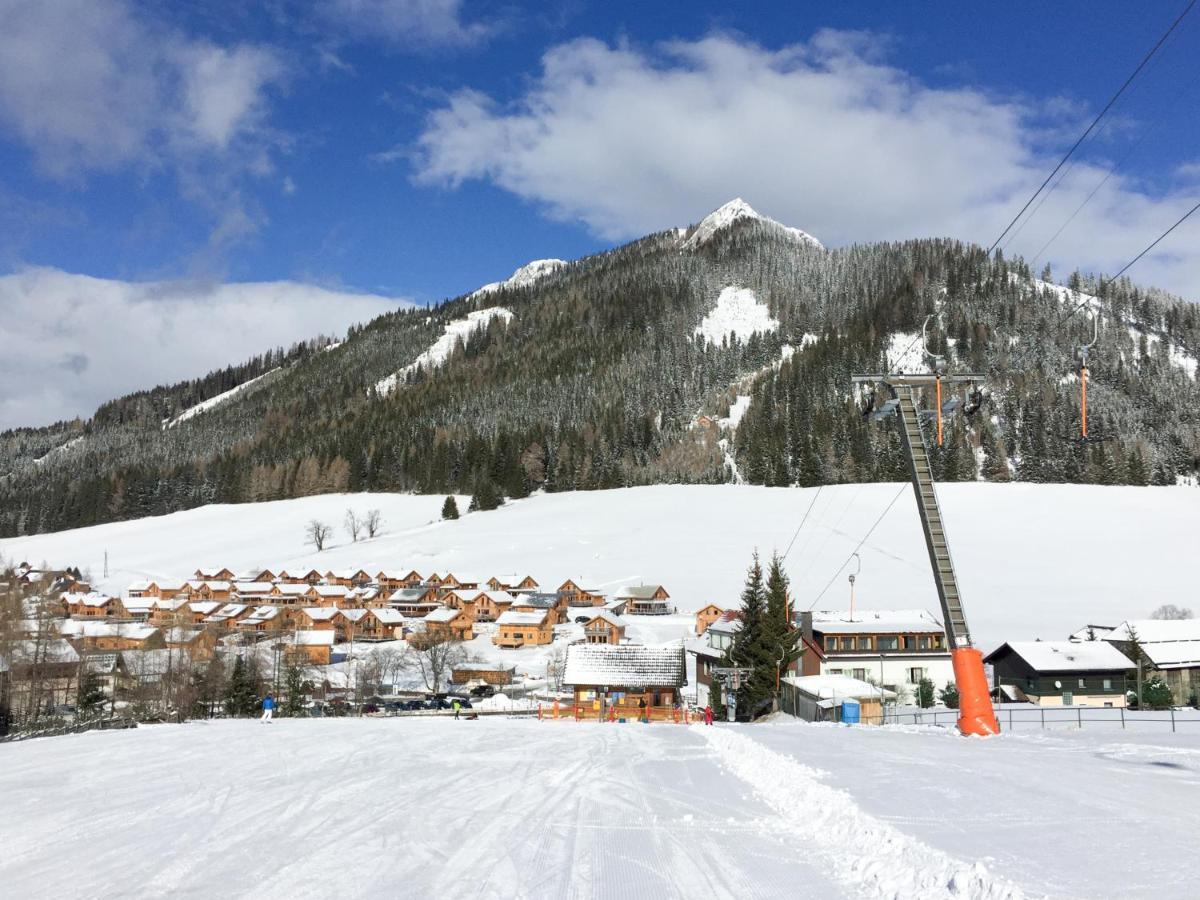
[(895, 648)]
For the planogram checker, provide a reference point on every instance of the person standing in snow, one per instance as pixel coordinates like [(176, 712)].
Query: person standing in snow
[(268, 706), (457, 706), (708, 715)]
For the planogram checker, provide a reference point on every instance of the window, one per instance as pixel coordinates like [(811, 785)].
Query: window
[(923, 642), (915, 674), (860, 674), (1068, 698), (864, 643), (1108, 684), (1081, 683), (887, 643)]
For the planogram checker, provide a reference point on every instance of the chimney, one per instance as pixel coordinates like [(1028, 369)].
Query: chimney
[(806, 624)]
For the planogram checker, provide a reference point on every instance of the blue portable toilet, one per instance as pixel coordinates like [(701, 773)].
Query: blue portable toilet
[(851, 712)]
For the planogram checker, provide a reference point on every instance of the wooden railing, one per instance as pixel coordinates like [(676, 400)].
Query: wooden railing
[(618, 712)]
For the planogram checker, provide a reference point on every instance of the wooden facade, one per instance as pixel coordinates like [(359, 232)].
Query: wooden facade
[(707, 616)]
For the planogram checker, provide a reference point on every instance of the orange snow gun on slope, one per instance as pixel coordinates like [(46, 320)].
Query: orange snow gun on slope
[(975, 713)]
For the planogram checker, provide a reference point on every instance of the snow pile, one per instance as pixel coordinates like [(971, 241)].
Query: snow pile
[(213, 402), (524, 276), (739, 312), (868, 856), (733, 211), (439, 351)]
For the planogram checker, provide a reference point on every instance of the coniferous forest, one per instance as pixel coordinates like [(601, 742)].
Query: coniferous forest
[(599, 380)]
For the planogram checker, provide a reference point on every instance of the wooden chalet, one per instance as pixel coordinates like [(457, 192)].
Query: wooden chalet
[(299, 576), (532, 602), (645, 600), (227, 615), (511, 583), (175, 611), (393, 579), (255, 592), (626, 681), (39, 675), (496, 674), (574, 595), (488, 606), (350, 578), (327, 594), (453, 623), (211, 590), (314, 648), (523, 629), (604, 628), (94, 605), (214, 575), (266, 618), (460, 599), (381, 624), (415, 603), (466, 582), (109, 636), (289, 593), (200, 643)]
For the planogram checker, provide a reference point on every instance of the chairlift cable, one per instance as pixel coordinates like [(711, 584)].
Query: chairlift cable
[(802, 521), (859, 546), (1096, 121)]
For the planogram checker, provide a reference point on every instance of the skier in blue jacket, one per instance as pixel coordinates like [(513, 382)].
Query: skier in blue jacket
[(268, 706)]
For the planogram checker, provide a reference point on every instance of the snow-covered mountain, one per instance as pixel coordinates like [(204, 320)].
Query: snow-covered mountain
[(719, 352), (738, 210)]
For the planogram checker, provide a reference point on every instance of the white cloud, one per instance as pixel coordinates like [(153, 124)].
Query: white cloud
[(822, 135), (88, 84), (430, 22), (72, 342)]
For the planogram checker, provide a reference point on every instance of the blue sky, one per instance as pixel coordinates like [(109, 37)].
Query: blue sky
[(418, 148)]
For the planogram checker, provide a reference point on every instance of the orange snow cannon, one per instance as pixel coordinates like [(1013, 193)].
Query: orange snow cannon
[(975, 712)]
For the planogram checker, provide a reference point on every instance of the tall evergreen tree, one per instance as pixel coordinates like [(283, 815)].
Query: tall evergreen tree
[(782, 639), (450, 508), (752, 648), (241, 698)]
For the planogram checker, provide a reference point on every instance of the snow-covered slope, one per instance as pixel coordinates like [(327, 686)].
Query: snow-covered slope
[(439, 351), (738, 311), (524, 276), (733, 211), (1033, 560), (551, 809), (213, 402)]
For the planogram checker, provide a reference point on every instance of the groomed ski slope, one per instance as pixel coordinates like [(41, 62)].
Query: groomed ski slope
[(503, 808), (1033, 560)]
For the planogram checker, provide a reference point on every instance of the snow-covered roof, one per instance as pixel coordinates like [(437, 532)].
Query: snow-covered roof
[(135, 631), (514, 617), (353, 614), (330, 590), (870, 621), (388, 616), (606, 616), (91, 599), (444, 614), (408, 595), (253, 587), (1069, 656), (291, 590), (321, 613), (625, 665), (498, 597), (1169, 643), (637, 592), (56, 650), (837, 687), (138, 586), (313, 638), (205, 607)]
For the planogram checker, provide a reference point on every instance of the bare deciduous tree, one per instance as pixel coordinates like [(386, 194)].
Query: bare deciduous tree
[(318, 533), (373, 522), (1170, 611), (435, 656), (556, 666), (353, 525)]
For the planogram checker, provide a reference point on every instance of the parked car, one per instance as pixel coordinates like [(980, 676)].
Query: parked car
[(437, 703), (410, 705), (483, 690)]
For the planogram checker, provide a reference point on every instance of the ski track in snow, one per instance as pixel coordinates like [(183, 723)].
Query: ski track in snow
[(439, 351), (868, 856), (213, 402)]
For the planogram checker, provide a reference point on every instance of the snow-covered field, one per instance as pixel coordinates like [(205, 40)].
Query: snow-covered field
[(1033, 560), (520, 808)]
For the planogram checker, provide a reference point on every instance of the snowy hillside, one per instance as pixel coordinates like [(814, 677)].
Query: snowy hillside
[(1033, 560)]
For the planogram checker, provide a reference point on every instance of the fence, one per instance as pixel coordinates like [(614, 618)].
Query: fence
[(53, 729), (1025, 718), (617, 712)]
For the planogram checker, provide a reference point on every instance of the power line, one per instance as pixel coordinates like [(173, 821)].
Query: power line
[(802, 521), (1095, 122), (858, 547), (1129, 264)]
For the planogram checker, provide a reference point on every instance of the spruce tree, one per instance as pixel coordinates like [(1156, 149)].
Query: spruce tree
[(782, 639), (925, 693), (296, 687), (1156, 694), (486, 496), (949, 695), (240, 696), (752, 647), (450, 508)]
